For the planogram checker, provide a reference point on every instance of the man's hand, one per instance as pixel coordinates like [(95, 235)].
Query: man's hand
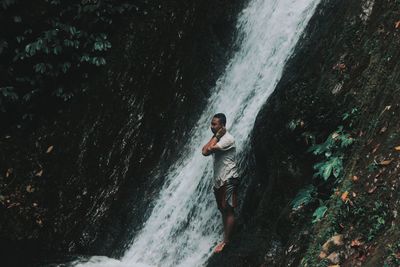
[(211, 147), (220, 133)]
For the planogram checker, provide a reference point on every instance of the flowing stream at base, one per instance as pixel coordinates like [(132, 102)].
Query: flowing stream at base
[(185, 224)]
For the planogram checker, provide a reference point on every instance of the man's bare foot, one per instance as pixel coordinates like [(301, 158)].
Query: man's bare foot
[(218, 248)]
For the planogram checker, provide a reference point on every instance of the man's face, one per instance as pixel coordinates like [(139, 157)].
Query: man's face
[(215, 125)]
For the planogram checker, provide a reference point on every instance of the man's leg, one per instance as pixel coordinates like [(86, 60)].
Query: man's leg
[(220, 198), (229, 215), (231, 203), (228, 221), (224, 222)]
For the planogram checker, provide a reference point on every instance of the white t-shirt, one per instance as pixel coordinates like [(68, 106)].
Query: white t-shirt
[(225, 160)]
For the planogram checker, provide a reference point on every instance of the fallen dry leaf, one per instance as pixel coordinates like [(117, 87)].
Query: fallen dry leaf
[(9, 171), (339, 66), (355, 243), (372, 189), (13, 205), (336, 240), (334, 257), (355, 178), (335, 135), (385, 162), (345, 196), (376, 148), (30, 189), (397, 24), (49, 149), (39, 173)]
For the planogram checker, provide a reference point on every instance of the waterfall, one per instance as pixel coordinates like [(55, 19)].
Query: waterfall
[(185, 224)]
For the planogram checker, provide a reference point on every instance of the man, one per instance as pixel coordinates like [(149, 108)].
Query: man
[(226, 178)]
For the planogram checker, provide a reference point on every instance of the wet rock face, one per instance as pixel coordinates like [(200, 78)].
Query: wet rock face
[(97, 182), (176, 54), (346, 59)]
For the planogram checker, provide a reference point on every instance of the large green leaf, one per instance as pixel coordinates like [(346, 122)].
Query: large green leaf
[(319, 213), (304, 196)]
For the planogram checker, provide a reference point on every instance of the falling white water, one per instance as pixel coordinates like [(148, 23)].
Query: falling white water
[(185, 224)]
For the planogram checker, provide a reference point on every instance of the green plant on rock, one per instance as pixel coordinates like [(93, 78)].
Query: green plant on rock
[(332, 151), (373, 166), (319, 213), (49, 43), (304, 196), (394, 255), (378, 219), (293, 124), (330, 165), (350, 116)]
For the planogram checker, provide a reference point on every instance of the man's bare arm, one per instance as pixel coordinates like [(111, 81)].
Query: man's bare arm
[(210, 147)]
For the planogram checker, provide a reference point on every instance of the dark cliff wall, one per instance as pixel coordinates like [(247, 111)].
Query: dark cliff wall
[(104, 148), (348, 60), (81, 181)]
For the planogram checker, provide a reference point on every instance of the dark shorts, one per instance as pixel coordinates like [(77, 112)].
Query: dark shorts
[(227, 194)]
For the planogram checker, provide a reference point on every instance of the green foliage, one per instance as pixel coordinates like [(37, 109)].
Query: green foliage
[(47, 44), (373, 166), (393, 258), (330, 165), (6, 3), (332, 151), (309, 137), (319, 213), (378, 219), (293, 124), (7, 92), (349, 115), (376, 216), (303, 197), (306, 196)]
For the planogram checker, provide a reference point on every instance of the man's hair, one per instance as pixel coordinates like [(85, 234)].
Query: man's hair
[(221, 117)]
